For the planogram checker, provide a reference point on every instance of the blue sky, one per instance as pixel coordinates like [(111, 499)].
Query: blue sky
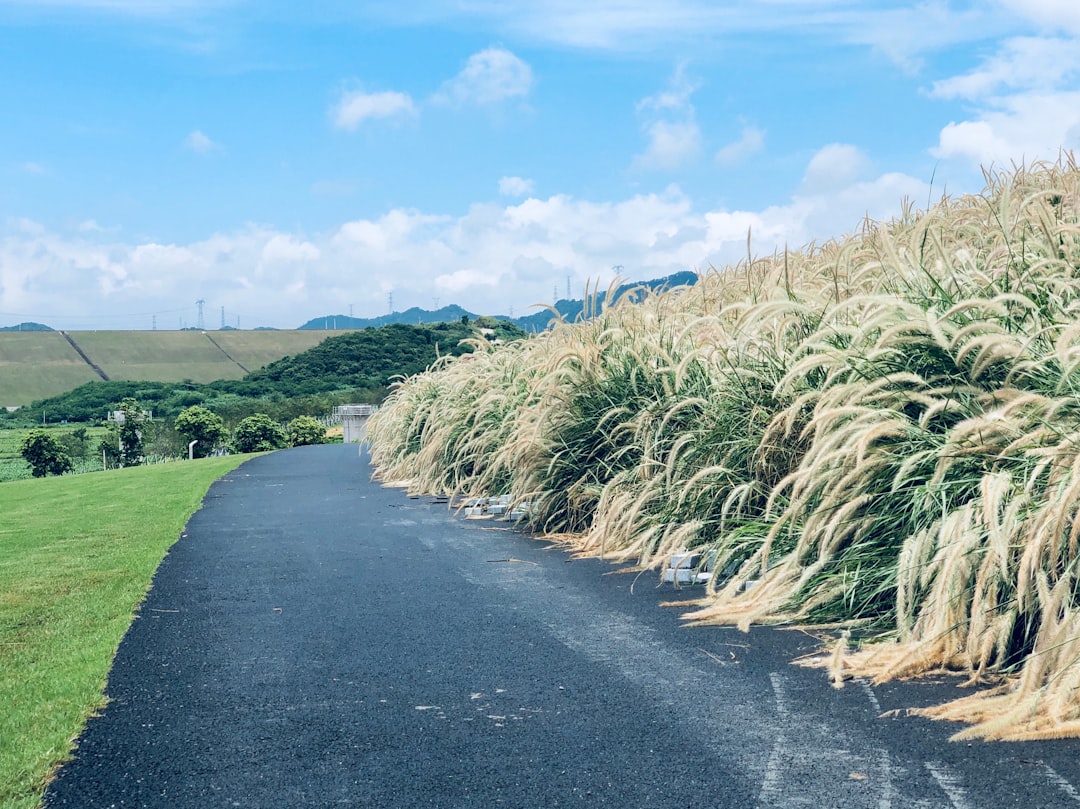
[(283, 161)]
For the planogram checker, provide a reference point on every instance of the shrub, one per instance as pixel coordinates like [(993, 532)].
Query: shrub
[(304, 430), (196, 423), (258, 433)]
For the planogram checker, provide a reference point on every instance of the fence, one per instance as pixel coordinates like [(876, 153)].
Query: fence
[(354, 421)]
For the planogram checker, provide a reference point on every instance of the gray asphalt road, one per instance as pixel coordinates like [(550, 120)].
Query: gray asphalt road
[(316, 640)]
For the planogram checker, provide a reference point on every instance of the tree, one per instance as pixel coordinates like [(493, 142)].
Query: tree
[(76, 443), (304, 430), (196, 423), (45, 454), (258, 433), (130, 419)]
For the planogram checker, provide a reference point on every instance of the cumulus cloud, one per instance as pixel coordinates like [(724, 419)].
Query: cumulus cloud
[(670, 125), (199, 143), (835, 166), (462, 281), (1022, 98), (515, 186), (355, 107), (671, 144), (490, 258), (1025, 127), (491, 76), (750, 142)]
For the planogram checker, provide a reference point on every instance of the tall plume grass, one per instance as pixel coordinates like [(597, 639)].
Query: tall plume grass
[(880, 432)]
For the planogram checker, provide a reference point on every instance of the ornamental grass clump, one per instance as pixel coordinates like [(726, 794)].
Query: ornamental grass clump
[(881, 432)]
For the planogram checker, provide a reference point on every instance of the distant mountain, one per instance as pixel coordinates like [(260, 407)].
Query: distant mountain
[(572, 309), (569, 309), (411, 317), (27, 327)]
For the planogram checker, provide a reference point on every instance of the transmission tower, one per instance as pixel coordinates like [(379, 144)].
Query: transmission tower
[(199, 322), (223, 317)]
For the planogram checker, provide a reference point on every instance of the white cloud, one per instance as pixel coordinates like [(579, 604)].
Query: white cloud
[(1025, 127), (1053, 15), (515, 186), (1022, 63), (1022, 98), (30, 167), (199, 143), (750, 143), (489, 77), (676, 97), (25, 225), (833, 167), (462, 281), (670, 125), (283, 248), (355, 107), (671, 144), (491, 258)]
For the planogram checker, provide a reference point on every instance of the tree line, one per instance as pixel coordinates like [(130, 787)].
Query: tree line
[(270, 408)]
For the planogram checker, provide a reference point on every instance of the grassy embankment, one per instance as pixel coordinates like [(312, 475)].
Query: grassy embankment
[(38, 365), (77, 554), (880, 432)]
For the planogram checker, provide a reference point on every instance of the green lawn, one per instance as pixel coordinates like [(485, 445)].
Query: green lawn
[(77, 554)]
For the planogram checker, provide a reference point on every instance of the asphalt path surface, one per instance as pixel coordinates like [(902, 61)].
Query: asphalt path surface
[(317, 640)]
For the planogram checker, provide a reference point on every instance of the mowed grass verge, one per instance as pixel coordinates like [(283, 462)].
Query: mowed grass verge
[(77, 554)]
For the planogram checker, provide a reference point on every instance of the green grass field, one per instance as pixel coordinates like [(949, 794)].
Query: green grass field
[(12, 465), (77, 554), (36, 365)]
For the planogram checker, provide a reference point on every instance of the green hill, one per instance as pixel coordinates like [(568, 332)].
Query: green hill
[(353, 366)]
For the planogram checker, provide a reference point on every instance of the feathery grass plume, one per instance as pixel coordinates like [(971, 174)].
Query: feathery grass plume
[(881, 430)]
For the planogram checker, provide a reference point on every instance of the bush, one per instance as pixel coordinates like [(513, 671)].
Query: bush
[(304, 430), (45, 454), (258, 433), (196, 423)]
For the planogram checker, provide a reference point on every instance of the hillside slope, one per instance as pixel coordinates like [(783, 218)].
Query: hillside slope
[(36, 365)]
